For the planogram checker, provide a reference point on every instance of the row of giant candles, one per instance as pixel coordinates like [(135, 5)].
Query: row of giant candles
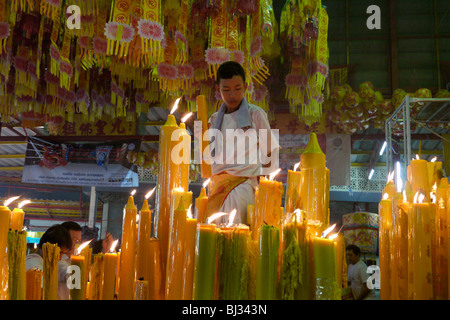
[(414, 234), (283, 253)]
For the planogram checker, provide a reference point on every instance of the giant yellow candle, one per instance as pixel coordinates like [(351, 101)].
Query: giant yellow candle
[(189, 258), (421, 243), (441, 240), (267, 205), (200, 206), (51, 254), (80, 292), (202, 114), (205, 262), (17, 250), (155, 275), (267, 265), (175, 262), (127, 254), (141, 291), (325, 270), (168, 178), (385, 214), (34, 284), (96, 277), (419, 177), (434, 167), (145, 225), (402, 207), (109, 276), (314, 183), (185, 142), (5, 218), (17, 217), (292, 190)]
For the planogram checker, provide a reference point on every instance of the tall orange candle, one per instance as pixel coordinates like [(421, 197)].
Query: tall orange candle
[(314, 183), (441, 240), (127, 255), (145, 225), (421, 243), (385, 214), (292, 189), (200, 206), (168, 178), (17, 217), (51, 254), (34, 284), (185, 141), (109, 273), (155, 275), (175, 263), (79, 293), (419, 176), (402, 207), (202, 114), (5, 218), (189, 257), (267, 205)]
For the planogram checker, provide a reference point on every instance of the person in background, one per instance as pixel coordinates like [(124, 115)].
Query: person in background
[(233, 182), (74, 230), (56, 234), (357, 274)]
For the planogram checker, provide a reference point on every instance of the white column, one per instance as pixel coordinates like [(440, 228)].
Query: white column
[(92, 208), (104, 226)]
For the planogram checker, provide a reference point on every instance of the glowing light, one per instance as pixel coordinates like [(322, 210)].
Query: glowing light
[(82, 246), (8, 201), (175, 105), (434, 159), (215, 216), (382, 148), (113, 246), (231, 217), (24, 202), (189, 212), (327, 231), (186, 117), (371, 174), (149, 194), (273, 174), (385, 196), (205, 184), (296, 166), (133, 192)]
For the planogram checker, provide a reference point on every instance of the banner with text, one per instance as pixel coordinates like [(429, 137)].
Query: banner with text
[(80, 164)]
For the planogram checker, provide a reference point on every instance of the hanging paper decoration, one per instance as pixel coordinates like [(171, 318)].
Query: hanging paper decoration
[(118, 31)]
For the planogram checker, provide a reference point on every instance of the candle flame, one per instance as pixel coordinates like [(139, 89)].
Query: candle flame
[(273, 174), (205, 184), (7, 202), (178, 189), (82, 246), (137, 218), (327, 231), (24, 202), (434, 187), (186, 117), (333, 236), (385, 196), (113, 246), (175, 105), (405, 198), (434, 159), (391, 176), (231, 217), (297, 215), (215, 216), (419, 197), (149, 194), (133, 192), (432, 197), (189, 212), (296, 166), (417, 157)]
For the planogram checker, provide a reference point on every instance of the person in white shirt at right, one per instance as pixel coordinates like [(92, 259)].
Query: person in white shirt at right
[(357, 275)]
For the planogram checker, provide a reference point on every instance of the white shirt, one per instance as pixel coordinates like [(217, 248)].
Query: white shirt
[(247, 152), (357, 276)]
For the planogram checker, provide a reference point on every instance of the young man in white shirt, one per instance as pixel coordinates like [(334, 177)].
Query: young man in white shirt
[(357, 275), (235, 167)]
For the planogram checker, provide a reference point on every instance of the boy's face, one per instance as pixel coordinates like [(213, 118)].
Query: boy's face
[(232, 92)]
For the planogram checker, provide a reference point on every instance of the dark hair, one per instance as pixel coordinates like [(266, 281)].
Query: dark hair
[(57, 234), (356, 250), (228, 70), (70, 225)]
